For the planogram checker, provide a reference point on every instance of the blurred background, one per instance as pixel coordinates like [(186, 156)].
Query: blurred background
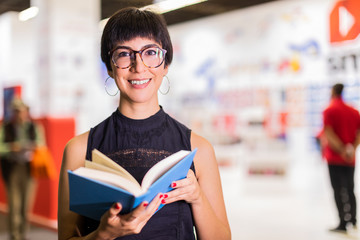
[(253, 77)]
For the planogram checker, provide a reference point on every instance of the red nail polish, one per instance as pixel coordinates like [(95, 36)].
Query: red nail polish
[(173, 185), (163, 201), (165, 195), (160, 196), (117, 206), (145, 204)]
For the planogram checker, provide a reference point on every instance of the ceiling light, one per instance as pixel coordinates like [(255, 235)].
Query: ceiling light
[(28, 13), (170, 5)]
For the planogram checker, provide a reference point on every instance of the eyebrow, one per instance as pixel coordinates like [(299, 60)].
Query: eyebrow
[(146, 46)]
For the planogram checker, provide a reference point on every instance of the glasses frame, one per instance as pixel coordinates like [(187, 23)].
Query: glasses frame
[(133, 55)]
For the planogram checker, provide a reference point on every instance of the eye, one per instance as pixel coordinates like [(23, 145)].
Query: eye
[(151, 52), (120, 53)]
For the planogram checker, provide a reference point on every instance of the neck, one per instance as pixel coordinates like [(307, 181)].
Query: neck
[(138, 111)]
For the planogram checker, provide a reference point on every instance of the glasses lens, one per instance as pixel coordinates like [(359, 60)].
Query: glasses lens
[(153, 57), (122, 57)]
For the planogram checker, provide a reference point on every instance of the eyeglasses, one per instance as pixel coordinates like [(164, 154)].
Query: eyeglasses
[(123, 57)]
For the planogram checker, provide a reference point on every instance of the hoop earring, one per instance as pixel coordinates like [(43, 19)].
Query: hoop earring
[(107, 90), (168, 86)]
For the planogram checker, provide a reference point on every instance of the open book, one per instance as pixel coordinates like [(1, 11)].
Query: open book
[(102, 182)]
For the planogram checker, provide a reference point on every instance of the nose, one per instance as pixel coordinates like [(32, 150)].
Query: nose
[(137, 64)]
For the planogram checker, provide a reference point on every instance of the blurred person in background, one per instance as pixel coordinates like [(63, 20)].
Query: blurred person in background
[(137, 51), (342, 132), (18, 138)]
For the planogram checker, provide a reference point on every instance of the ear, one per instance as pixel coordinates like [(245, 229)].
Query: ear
[(110, 73), (166, 69)]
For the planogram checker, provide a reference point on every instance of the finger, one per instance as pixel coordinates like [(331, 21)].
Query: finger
[(183, 182), (155, 203), (180, 191), (174, 196), (115, 209), (145, 210), (138, 211)]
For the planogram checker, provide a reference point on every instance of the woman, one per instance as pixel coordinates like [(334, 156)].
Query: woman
[(137, 51)]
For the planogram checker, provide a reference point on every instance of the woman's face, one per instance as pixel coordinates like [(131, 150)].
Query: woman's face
[(138, 83)]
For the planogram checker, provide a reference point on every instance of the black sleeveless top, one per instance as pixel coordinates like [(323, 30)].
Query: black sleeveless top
[(137, 145)]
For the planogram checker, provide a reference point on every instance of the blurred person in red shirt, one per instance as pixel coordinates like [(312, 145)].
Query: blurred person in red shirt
[(342, 132)]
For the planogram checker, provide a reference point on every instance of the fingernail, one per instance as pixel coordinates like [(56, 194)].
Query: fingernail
[(160, 196), (117, 206), (165, 195), (173, 185), (145, 204), (163, 201)]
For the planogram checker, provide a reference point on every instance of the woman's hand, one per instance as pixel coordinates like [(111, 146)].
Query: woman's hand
[(187, 189), (113, 225)]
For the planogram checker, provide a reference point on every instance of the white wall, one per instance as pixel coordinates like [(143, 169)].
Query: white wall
[(272, 57), (17, 58)]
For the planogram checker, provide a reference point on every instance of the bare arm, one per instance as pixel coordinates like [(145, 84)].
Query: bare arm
[(334, 141), (204, 193), (73, 157), (209, 212)]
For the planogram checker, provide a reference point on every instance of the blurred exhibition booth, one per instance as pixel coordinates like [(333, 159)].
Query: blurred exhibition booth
[(253, 81)]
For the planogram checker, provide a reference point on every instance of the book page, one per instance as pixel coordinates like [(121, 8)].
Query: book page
[(110, 178), (97, 166), (102, 159), (162, 167)]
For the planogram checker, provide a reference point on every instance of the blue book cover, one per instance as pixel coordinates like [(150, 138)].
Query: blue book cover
[(90, 196)]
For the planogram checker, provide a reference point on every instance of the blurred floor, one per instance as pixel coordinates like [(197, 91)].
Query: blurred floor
[(35, 233), (296, 206)]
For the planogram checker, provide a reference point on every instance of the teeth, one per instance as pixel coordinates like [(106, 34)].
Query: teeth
[(140, 82)]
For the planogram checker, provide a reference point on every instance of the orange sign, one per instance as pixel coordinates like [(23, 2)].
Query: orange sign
[(345, 21)]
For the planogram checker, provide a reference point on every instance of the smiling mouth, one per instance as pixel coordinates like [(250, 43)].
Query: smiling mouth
[(139, 82)]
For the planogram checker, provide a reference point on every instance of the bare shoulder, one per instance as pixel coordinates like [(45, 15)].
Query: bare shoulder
[(75, 151), (200, 142), (204, 160), (203, 145)]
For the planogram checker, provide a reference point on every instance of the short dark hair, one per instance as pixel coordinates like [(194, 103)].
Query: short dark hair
[(338, 88), (131, 22)]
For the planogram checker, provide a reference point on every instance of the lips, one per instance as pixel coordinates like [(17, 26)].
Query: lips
[(139, 82)]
